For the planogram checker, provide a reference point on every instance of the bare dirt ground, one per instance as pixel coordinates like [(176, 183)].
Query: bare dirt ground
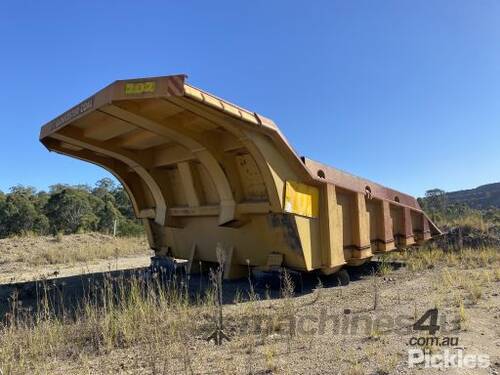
[(379, 345), (320, 328), (30, 258)]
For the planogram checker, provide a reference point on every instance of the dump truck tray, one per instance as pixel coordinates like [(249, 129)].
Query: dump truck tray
[(204, 173)]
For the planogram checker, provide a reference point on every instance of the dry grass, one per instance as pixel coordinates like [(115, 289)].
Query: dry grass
[(167, 328), (120, 315), (473, 220), (163, 321), (384, 267), (421, 259), (34, 251), (126, 314)]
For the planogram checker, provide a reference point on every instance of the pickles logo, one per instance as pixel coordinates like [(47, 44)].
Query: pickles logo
[(447, 359)]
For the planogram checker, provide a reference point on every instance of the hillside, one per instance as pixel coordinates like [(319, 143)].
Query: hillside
[(481, 197)]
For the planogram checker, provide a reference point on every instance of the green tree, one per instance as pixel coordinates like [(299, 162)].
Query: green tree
[(19, 214), (436, 200), (103, 187), (123, 203), (108, 214), (128, 225), (40, 200), (57, 188), (70, 211)]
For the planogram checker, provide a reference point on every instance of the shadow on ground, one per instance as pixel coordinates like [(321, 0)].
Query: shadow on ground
[(65, 295)]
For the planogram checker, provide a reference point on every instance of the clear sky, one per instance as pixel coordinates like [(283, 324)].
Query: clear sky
[(405, 93)]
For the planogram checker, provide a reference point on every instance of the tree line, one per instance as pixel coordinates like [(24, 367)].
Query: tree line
[(81, 208), (67, 209)]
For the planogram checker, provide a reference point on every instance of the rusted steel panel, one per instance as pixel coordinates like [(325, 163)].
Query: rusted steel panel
[(351, 182)]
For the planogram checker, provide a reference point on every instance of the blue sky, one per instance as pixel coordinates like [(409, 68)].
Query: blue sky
[(405, 93)]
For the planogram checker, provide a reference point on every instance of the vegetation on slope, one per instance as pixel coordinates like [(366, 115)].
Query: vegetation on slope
[(465, 226), (482, 197)]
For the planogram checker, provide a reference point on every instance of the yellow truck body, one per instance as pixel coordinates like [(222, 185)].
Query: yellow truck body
[(201, 171)]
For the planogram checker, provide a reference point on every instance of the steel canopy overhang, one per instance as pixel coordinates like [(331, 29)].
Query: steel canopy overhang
[(168, 87), (176, 86), (57, 136)]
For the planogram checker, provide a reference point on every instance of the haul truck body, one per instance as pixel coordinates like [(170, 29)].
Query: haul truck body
[(201, 171)]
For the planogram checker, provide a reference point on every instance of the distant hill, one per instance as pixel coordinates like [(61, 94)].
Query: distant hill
[(481, 197)]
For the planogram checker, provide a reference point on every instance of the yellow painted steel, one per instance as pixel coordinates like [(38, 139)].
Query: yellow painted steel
[(140, 88), (202, 171), (301, 199)]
